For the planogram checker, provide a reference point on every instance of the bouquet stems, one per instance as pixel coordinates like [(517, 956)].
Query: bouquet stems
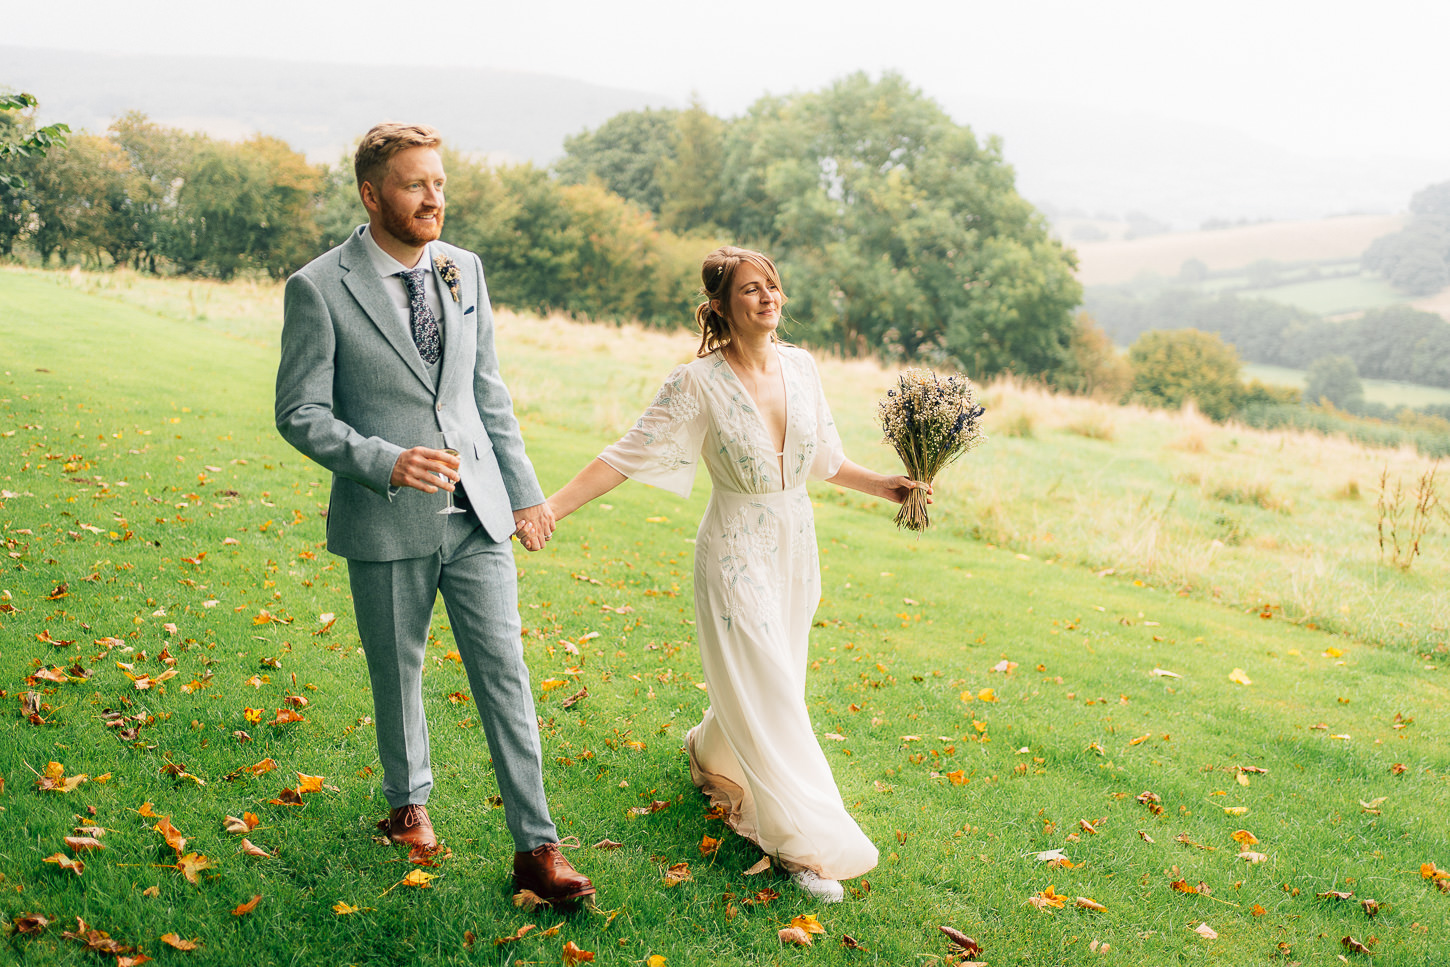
[(912, 514)]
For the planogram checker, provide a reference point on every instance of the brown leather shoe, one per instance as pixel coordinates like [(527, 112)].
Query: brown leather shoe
[(545, 871), (409, 826)]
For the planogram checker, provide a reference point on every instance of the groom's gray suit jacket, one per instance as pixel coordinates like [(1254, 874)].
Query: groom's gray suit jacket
[(353, 393)]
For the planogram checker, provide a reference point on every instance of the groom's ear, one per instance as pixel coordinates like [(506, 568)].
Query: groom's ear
[(369, 197)]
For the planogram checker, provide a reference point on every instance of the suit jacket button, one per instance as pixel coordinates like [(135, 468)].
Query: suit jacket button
[(439, 407)]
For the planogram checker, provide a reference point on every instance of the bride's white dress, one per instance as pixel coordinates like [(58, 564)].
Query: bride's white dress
[(757, 584)]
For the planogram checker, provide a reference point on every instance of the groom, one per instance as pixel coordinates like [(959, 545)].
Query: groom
[(388, 369)]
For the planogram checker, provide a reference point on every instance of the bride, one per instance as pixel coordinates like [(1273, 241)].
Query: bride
[(752, 408)]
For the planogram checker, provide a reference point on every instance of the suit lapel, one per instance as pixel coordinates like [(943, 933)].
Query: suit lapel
[(452, 328), (363, 282)]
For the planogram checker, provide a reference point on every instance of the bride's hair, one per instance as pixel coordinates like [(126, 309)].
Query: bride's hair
[(717, 275)]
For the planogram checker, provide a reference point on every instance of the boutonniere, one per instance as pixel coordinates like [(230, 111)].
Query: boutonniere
[(448, 272)]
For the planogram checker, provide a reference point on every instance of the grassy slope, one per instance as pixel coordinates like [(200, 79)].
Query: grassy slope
[(908, 628)]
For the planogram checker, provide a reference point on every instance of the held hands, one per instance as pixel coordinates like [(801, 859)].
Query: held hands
[(535, 525), (422, 467), (896, 489)]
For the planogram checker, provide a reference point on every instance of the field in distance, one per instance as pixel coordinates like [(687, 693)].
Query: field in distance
[(1328, 239)]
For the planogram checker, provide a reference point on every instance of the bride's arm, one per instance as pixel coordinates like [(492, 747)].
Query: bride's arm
[(595, 480), (893, 487)]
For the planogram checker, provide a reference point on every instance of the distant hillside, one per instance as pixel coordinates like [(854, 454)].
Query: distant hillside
[(318, 109), (1346, 237)]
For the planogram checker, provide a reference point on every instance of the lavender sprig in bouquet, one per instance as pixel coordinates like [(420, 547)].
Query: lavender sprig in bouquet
[(930, 420)]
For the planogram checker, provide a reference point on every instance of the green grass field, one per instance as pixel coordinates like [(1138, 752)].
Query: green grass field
[(1330, 297), (1386, 391), (153, 519)]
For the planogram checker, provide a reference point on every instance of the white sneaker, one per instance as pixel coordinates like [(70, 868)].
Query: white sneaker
[(827, 891)]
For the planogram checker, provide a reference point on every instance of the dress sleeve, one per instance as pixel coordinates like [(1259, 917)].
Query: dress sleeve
[(664, 445), (829, 452)]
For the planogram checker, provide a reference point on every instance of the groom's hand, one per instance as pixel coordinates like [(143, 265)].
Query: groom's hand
[(535, 525), (420, 468)]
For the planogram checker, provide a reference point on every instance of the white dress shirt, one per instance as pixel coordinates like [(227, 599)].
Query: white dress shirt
[(389, 267)]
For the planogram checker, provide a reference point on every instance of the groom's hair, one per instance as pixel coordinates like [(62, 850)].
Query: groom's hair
[(378, 146)]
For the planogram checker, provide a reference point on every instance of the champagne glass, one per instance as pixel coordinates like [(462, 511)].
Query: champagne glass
[(451, 508)]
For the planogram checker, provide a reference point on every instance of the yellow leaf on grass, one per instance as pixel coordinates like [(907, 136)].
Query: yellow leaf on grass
[(174, 940), (1245, 838), (306, 783), (808, 923), (343, 909), (1236, 810), (987, 695), (190, 865), (419, 878), (1239, 676), (549, 684), (656, 960)]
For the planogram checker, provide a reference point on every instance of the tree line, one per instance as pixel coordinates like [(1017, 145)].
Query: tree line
[(1397, 342), (898, 233)]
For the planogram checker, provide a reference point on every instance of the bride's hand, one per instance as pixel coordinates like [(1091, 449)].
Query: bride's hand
[(896, 489)]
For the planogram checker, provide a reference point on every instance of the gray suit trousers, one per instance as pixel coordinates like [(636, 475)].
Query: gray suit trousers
[(394, 605)]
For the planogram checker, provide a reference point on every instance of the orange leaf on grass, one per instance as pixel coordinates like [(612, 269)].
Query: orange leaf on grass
[(1048, 898), (245, 824), (171, 834), (306, 783), (287, 797), (286, 715), (66, 863), (78, 843), (251, 849), (709, 845), (573, 955), (247, 907), (174, 940), (677, 874), (500, 941)]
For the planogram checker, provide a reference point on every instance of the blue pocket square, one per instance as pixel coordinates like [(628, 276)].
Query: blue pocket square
[(469, 309)]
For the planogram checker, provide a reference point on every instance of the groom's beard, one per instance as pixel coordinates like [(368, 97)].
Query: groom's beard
[(407, 229)]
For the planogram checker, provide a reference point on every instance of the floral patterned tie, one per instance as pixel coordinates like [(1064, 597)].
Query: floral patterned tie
[(420, 318)]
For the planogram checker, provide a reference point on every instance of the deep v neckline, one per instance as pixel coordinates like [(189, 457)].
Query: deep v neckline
[(760, 418)]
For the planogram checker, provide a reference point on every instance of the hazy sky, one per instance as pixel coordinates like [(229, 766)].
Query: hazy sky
[(1332, 78)]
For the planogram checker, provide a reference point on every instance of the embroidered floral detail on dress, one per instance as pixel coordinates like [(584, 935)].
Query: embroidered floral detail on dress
[(741, 432), (749, 547), (680, 406)]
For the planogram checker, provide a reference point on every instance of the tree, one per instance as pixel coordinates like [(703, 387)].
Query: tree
[(1335, 379), (1094, 366), (624, 153), (1417, 258), (689, 175), (888, 217), (1172, 367), (160, 160), (20, 138), (248, 205)]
